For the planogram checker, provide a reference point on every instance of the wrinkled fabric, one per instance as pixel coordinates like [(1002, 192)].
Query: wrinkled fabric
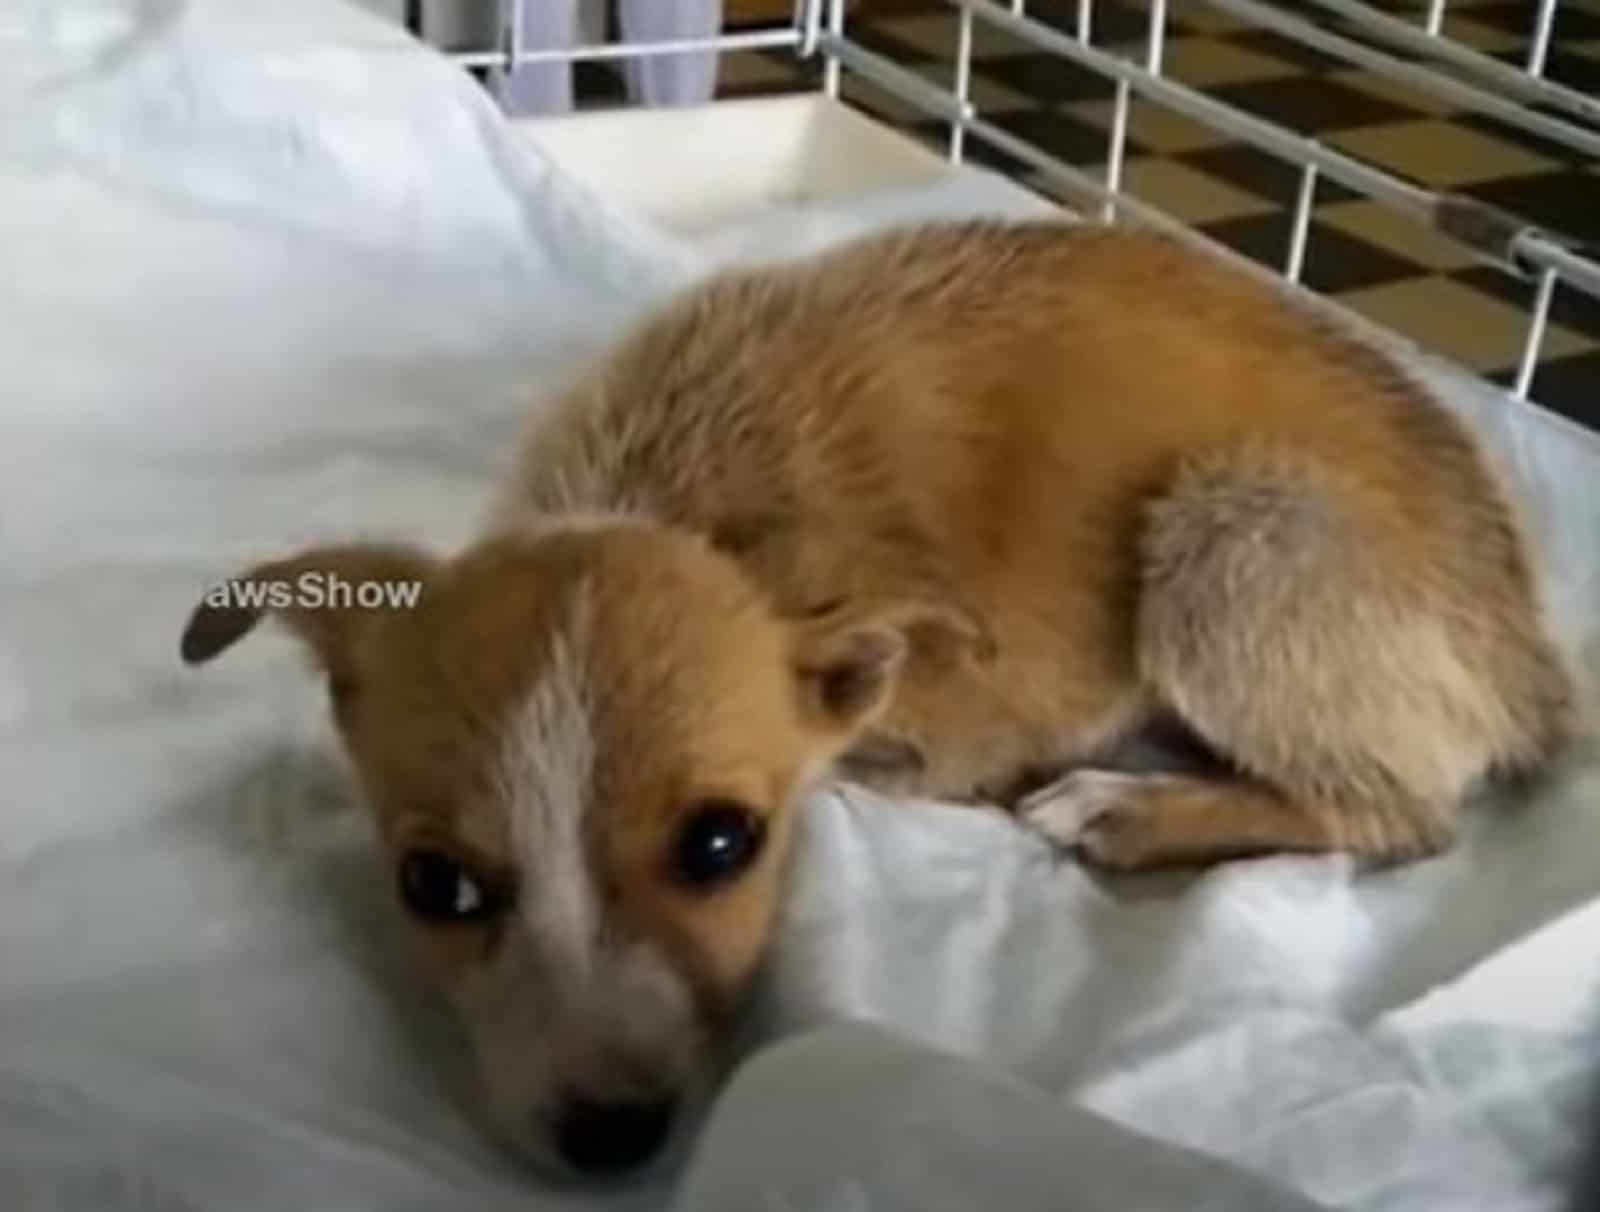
[(273, 274)]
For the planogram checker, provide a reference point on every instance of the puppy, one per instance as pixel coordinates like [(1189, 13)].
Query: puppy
[(951, 510)]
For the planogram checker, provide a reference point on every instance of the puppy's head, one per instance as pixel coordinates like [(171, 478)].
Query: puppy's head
[(584, 747)]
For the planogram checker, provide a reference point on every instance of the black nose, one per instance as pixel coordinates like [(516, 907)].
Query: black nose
[(610, 1138)]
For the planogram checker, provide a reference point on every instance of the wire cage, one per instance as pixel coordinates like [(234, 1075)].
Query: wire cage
[(1413, 51)]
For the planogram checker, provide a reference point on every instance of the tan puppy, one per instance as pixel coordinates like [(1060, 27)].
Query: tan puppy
[(943, 510)]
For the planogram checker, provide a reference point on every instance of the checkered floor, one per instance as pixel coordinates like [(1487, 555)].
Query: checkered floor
[(1371, 258)]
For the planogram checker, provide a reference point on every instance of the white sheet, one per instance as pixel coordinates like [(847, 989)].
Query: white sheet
[(272, 274)]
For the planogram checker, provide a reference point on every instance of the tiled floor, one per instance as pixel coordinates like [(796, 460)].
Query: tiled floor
[(1371, 257)]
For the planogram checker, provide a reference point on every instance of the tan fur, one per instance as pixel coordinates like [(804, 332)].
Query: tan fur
[(1118, 456), (960, 503)]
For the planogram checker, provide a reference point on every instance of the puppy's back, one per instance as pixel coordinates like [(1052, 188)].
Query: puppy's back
[(986, 413), (975, 380)]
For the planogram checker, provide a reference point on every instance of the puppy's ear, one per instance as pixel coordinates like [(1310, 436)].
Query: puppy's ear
[(327, 595), (847, 654)]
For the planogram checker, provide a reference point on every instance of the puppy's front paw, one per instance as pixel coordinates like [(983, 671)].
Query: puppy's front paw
[(1101, 815)]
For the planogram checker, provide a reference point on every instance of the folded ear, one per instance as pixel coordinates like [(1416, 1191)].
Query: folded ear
[(848, 653), (326, 595)]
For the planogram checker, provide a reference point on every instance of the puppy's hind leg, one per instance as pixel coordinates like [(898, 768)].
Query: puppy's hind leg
[(1301, 631)]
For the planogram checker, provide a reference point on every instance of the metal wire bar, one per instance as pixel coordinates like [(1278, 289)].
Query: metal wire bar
[(1346, 170), (1508, 80), (1543, 27), (1119, 144), (908, 86), (963, 86), (1498, 236), (1515, 245), (1305, 203), (1157, 39), (1537, 249), (1536, 326), (1557, 130), (915, 91), (1518, 246), (1116, 155), (765, 39), (808, 16), (830, 70)]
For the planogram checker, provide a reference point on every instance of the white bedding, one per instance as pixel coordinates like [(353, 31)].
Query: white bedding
[(270, 273)]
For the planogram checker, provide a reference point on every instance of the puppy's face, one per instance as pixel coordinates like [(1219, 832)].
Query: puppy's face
[(584, 747)]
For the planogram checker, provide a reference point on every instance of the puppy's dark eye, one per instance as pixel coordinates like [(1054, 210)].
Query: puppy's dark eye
[(716, 842), (439, 888)]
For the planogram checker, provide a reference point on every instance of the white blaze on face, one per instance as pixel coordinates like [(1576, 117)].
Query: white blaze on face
[(546, 781), (564, 1006)]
